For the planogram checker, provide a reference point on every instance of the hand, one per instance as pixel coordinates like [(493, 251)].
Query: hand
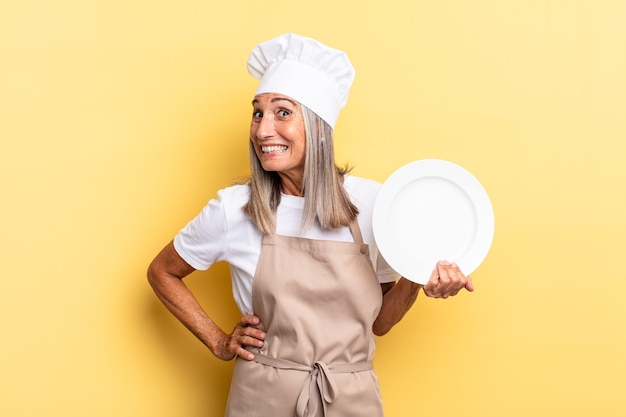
[(244, 334), (447, 280)]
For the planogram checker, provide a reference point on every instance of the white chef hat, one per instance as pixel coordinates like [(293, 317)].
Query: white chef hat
[(317, 76)]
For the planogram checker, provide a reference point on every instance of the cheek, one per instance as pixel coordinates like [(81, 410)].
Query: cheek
[(255, 148), (296, 132)]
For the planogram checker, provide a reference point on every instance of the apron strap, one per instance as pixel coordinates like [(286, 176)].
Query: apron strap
[(356, 231), (318, 388)]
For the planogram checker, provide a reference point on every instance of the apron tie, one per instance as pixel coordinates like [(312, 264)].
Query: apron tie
[(318, 386)]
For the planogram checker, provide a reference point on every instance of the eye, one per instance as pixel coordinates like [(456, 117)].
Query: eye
[(257, 114), (283, 113)]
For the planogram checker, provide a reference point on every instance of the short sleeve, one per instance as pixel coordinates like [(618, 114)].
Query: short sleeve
[(363, 193), (384, 271), (202, 242)]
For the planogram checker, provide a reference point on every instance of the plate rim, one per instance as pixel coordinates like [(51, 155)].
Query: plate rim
[(475, 191)]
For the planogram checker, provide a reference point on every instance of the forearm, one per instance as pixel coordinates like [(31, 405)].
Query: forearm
[(180, 301), (396, 302)]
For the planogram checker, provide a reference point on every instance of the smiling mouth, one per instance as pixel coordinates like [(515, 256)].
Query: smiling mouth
[(274, 149)]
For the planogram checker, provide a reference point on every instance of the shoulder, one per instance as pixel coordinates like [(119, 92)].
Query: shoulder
[(234, 196), (360, 182), (224, 210), (362, 191)]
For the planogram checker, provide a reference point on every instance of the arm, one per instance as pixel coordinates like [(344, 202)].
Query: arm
[(445, 281), (165, 275), (398, 297)]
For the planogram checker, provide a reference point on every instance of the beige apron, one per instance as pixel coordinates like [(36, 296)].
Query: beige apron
[(317, 301)]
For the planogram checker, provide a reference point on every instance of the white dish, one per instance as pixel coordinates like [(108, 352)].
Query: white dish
[(431, 210)]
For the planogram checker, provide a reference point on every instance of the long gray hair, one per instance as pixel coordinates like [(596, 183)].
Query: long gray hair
[(326, 200)]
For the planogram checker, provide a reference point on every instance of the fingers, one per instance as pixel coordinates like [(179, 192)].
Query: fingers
[(250, 335), (249, 320), (246, 334), (447, 280)]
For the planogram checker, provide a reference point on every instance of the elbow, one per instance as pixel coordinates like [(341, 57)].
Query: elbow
[(381, 329), (380, 332), (152, 275)]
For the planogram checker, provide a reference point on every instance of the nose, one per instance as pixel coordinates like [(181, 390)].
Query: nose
[(265, 128)]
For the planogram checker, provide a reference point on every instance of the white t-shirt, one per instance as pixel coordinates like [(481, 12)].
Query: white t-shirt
[(222, 232)]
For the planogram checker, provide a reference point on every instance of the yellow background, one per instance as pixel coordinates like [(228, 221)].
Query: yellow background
[(120, 119)]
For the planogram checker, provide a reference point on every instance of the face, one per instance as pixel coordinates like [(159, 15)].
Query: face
[(277, 134)]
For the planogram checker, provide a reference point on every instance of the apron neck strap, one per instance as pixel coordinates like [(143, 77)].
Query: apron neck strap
[(356, 231)]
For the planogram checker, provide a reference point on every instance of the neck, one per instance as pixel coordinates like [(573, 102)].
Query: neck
[(291, 185)]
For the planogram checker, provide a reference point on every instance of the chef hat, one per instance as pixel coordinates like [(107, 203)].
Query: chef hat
[(306, 70)]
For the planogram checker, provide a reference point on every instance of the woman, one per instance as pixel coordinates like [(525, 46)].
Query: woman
[(298, 237)]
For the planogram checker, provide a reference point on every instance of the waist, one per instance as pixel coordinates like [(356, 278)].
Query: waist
[(335, 368), (318, 390)]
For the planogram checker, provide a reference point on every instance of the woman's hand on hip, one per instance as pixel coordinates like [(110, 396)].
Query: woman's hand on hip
[(447, 280), (244, 334)]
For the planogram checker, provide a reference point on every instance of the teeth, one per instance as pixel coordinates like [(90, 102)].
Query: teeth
[(275, 148)]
